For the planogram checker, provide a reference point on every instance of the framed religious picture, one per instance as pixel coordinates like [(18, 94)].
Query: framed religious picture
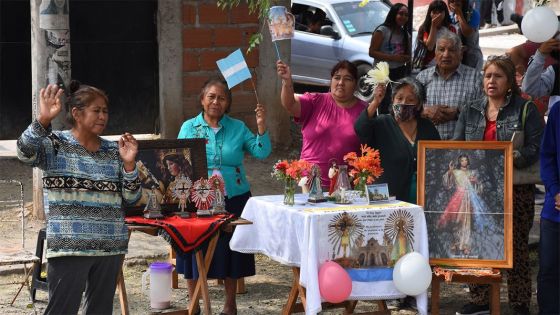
[(167, 170), (465, 188), (378, 192)]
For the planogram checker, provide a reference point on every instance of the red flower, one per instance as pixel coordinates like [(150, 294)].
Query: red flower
[(296, 169)]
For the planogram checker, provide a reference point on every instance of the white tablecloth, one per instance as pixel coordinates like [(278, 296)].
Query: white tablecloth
[(305, 236)]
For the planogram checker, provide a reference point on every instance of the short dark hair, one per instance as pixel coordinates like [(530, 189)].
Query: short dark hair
[(217, 81), (345, 64), (417, 87)]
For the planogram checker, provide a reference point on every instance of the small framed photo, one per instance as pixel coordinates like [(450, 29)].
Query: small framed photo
[(378, 192)]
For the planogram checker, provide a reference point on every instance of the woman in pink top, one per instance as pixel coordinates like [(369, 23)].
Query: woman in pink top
[(327, 119)]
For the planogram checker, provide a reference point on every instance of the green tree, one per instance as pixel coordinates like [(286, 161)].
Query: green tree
[(268, 84)]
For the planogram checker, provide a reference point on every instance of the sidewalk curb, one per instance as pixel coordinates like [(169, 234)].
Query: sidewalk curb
[(500, 30)]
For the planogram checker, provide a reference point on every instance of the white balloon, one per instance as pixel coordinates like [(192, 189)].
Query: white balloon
[(412, 274), (539, 24)]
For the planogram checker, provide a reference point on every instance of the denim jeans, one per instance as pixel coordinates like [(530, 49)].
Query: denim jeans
[(548, 279)]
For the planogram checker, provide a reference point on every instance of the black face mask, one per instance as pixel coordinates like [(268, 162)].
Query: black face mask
[(404, 112)]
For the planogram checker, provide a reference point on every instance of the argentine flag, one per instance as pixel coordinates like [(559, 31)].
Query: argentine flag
[(234, 68)]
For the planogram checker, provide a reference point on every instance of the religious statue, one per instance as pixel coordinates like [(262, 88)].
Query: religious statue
[(333, 176), (315, 191), (181, 192), (153, 207), (202, 195), (219, 203)]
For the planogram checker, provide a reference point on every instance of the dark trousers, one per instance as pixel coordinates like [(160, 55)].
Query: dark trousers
[(486, 11), (68, 277), (548, 280), (519, 277)]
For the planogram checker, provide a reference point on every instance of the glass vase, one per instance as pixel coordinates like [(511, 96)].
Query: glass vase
[(289, 191), (361, 186)]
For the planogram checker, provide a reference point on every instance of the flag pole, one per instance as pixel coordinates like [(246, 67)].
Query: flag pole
[(277, 51), (255, 90)]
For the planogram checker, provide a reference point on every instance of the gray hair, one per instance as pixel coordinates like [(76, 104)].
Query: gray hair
[(446, 34), (417, 88)]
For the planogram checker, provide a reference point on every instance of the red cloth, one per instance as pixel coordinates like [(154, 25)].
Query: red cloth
[(184, 234), (451, 211), (490, 131)]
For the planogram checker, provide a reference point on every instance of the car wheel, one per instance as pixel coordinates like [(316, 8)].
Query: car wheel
[(365, 91)]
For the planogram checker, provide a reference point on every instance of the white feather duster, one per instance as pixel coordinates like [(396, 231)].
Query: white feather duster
[(379, 74)]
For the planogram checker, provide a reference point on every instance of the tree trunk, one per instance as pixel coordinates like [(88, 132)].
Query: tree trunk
[(50, 64), (269, 85)]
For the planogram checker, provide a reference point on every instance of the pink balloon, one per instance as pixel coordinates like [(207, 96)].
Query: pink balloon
[(335, 284)]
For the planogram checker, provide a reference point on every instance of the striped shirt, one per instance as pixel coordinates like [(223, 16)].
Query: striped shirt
[(84, 192), (463, 86)]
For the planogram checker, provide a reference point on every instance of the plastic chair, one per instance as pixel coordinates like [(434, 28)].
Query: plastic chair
[(11, 202), (39, 282)]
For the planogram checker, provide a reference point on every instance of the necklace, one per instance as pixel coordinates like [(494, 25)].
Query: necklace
[(219, 134)]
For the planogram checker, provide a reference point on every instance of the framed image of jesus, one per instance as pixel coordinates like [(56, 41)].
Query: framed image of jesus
[(465, 188)]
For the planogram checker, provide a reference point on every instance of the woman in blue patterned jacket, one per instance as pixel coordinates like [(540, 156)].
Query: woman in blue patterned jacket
[(87, 179)]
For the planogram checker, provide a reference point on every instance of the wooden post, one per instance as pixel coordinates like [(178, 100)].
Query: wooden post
[(278, 120), (50, 64)]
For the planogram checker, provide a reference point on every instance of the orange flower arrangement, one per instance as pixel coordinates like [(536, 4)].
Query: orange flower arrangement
[(290, 172), (365, 168), (296, 169)]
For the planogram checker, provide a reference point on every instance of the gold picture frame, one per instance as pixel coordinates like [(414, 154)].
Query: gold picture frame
[(465, 188)]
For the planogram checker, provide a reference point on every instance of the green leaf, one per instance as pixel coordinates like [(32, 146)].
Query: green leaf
[(254, 41)]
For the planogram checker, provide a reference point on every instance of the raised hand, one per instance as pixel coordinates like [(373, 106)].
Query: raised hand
[(437, 20), (550, 45), (378, 95), (128, 148), (261, 118), (49, 104), (283, 70)]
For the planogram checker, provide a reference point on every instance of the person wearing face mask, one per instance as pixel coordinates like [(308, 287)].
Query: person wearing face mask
[(396, 134)]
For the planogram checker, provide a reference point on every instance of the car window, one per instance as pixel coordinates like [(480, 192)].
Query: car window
[(361, 20), (310, 19)]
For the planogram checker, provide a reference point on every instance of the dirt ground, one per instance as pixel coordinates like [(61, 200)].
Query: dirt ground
[(266, 292)]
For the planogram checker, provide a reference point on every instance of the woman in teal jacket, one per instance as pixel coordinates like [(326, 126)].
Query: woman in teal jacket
[(227, 141)]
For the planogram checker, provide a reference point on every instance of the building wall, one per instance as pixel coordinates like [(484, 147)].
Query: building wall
[(209, 34)]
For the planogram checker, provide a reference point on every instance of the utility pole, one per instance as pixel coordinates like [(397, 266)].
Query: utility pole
[(50, 64), (269, 85)]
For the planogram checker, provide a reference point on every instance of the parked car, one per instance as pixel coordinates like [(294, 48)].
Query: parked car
[(345, 33)]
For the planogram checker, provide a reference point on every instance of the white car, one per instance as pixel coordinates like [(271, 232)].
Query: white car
[(345, 34)]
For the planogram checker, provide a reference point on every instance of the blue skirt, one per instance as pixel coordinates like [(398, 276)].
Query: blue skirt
[(225, 263)]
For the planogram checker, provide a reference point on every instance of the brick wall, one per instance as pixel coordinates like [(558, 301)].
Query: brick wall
[(209, 34)]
